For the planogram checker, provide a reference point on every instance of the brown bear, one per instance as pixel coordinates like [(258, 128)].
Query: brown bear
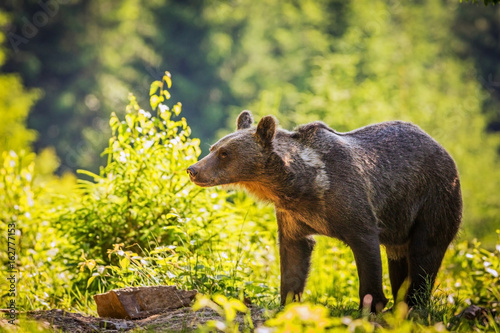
[(388, 183)]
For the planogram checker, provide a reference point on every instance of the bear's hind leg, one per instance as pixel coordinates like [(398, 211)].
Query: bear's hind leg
[(425, 259)]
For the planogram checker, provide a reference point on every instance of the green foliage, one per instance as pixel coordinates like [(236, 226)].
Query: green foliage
[(28, 206), (15, 103), (142, 191), (227, 309), (29, 198), (486, 2), (26, 326), (266, 50), (476, 27), (476, 270), (83, 63), (330, 280), (302, 318), (141, 221)]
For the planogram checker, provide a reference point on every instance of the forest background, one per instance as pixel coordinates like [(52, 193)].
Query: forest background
[(68, 66)]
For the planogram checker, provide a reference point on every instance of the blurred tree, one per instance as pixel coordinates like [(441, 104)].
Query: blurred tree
[(479, 27), (183, 44), (266, 50), (486, 2), (15, 104), (82, 54), (16, 139)]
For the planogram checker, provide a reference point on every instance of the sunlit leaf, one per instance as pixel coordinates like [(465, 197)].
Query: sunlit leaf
[(155, 100), (124, 262), (167, 78), (177, 108), (91, 279), (154, 87)]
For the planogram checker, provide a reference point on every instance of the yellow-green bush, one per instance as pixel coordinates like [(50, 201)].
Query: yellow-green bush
[(29, 206)]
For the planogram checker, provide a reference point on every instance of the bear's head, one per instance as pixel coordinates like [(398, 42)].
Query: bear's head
[(239, 158)]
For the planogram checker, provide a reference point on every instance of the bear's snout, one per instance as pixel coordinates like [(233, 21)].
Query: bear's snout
[(192, 172)]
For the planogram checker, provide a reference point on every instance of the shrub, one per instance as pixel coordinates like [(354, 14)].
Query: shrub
[(141, 220), (28, 204)]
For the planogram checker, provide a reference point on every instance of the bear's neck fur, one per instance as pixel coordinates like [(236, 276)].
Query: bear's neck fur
[(291, 187)]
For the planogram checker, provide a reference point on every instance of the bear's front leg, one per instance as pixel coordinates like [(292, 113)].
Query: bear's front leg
[(295, 259)]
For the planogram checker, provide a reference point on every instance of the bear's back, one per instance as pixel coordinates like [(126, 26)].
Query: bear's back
[(388, 143), (391, 162)]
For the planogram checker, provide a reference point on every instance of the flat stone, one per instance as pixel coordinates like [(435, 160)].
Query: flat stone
[(141, 302), (472, 312)]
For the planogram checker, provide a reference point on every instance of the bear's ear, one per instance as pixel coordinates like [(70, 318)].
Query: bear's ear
[(266, 129), (245, 120)]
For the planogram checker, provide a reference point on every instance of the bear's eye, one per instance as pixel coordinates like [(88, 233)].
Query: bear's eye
[(223, 154)]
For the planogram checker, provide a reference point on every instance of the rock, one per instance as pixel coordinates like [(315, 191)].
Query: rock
[(110, 325), (141, 302), (472, 312)]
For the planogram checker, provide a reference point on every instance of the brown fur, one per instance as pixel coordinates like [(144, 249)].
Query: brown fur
[(388, 183)]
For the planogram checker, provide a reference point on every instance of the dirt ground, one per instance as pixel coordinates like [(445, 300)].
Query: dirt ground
[(178, 320)]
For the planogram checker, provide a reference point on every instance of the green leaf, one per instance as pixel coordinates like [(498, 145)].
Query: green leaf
[(155, 101), (177, 108), (130, 120), (167, 78), (154, 87), (113, 121), (124, 262), (91, 279), (88, 173)]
